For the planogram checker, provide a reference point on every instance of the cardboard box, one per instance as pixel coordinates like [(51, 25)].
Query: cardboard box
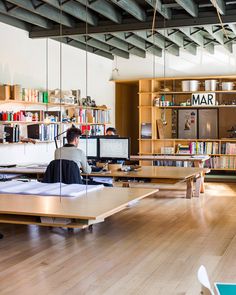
[(4, 92), (16, 93)]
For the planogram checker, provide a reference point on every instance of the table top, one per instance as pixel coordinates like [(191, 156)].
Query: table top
[(158, 172), (93, 205), (171, 158), (24, 170)]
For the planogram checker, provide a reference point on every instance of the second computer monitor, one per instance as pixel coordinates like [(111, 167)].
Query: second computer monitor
[(114, 148), (89, 146)]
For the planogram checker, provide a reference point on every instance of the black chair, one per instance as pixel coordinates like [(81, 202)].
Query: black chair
[(64, 171)]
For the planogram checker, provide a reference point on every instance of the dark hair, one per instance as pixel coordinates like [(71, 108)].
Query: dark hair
[(112, 129), (72, 133)]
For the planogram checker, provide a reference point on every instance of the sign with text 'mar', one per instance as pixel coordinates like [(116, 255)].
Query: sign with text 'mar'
[(203, 99)]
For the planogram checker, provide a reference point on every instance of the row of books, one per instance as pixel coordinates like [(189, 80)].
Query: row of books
[(228, 148), (172, 163), (223, 162), (207, 148), (12, 133), (204, 148), (88, 129), (30, 116), (43, 132), (94, 116)]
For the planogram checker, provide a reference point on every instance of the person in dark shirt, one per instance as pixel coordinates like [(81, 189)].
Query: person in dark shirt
[(111, 131)]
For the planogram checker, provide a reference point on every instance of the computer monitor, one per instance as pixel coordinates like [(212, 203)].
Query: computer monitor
[(90, 146), (114, 148)]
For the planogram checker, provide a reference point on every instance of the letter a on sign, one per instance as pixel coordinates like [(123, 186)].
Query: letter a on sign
[(203, 99)]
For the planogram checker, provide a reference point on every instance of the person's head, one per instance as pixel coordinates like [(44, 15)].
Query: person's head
[(111, 131), (72, 135)]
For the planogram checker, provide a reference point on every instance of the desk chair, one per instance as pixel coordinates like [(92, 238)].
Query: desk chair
[(204, 280), (64, 171)]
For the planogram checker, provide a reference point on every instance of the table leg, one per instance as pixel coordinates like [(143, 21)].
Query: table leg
[(199, 164), (202, 189), (198, 186), (189, 191)]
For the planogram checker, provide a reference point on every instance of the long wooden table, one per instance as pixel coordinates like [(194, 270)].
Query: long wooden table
[(197, 161), (84, 211), (158, 174)]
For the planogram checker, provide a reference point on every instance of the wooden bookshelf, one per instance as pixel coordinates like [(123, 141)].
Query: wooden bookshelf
[(170, 88)]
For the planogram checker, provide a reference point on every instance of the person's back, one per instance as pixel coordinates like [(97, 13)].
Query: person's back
[(71, 152)]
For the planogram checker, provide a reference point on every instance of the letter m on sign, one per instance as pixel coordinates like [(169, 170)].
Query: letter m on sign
[(196, 99)]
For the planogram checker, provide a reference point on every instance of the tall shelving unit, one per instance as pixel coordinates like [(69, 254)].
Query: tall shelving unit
[(171, 89)]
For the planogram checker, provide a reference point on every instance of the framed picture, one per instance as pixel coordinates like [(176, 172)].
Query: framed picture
[(208, 123), (187, 123)]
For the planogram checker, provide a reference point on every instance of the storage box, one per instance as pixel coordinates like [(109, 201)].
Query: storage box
[(16, 93), (4, 92)]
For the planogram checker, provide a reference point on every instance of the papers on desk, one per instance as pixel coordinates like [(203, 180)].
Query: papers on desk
[(8, 176), (46, 189), (103, 179)]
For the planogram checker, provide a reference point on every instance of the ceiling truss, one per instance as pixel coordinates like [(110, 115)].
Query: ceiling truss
[(124, 27)]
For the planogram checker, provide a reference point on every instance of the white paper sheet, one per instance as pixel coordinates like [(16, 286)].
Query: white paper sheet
[(46, 189)]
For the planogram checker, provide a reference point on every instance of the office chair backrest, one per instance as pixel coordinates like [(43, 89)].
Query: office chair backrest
[(204, 280), (64, 171)]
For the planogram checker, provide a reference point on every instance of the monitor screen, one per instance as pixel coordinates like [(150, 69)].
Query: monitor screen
[(89, 146), (114, 148)]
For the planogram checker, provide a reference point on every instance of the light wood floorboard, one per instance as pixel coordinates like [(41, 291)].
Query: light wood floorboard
[(154, 247)]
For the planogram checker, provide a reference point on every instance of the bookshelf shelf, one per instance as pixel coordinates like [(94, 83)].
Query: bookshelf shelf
[(186, 92), (2, 102)]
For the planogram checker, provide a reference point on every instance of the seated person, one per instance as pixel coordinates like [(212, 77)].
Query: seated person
[(70, 151), (111, 131)]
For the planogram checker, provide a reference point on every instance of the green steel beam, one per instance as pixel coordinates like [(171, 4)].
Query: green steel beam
[(113, 41), (220, 5), (100, 45), (137, 41), (105, 8), (195, 35), (159, 41), (75, 9), (177, 37), (218, 34), (233, 28), (190, 6), (164, 11), (132, 7), (82, 46), (9, 20), (26, 16), (46, 11)]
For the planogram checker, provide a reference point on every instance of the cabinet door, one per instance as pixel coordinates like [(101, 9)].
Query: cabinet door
[(208, 123)]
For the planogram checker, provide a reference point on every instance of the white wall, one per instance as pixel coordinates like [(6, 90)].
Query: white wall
[(204, 63), (23, 61)]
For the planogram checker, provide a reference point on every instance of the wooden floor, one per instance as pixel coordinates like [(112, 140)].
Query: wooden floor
[(152, 248)]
